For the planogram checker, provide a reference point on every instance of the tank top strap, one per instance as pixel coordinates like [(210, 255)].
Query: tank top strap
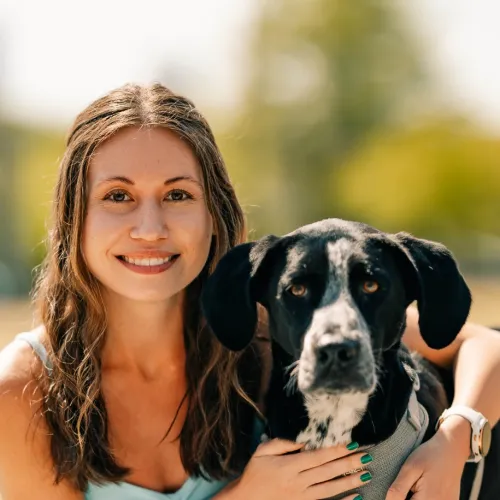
[(39, 349)]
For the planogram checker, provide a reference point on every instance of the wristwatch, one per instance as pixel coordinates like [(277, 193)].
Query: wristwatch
[(480, 430)]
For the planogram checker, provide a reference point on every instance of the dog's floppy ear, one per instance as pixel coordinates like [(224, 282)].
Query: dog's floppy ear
[(443, 297), (230, 295)]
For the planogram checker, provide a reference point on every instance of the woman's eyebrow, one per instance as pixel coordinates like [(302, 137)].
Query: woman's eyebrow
[(126, 180), (119, 178), (182, 178)]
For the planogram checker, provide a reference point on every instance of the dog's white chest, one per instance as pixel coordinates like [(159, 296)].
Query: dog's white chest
[(331, 419)]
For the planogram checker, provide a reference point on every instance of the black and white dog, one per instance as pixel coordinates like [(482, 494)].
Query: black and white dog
[(336, 293)]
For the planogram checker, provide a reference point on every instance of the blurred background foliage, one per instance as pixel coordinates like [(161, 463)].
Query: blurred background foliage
[(340, 117), (343, 119)]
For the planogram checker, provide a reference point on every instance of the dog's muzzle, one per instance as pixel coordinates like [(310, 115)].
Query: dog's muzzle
[(345, 365)]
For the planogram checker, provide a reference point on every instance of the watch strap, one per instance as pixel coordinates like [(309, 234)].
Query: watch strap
[(477, 422)]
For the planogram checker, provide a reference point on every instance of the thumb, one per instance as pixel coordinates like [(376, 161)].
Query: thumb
[(277, 447), (403, 483)]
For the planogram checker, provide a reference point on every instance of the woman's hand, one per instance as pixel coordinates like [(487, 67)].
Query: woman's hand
[(433, 471), (272, 474)]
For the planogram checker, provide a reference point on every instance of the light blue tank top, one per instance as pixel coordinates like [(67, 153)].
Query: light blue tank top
[(195, 488)]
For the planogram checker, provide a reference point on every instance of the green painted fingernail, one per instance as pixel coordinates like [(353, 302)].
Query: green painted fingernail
[(365, 477), (358, 497), (352, 446), (366, 459)]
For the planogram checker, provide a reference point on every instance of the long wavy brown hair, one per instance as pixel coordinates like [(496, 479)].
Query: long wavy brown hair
[(221, 386)]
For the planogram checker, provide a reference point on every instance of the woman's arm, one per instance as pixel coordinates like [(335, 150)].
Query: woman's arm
[(434, 470), (475, 358), (25, 462)]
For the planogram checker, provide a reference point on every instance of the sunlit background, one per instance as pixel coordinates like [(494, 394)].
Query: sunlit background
[(385, 112)]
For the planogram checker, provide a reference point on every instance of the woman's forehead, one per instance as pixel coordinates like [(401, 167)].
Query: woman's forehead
[(146, 152)]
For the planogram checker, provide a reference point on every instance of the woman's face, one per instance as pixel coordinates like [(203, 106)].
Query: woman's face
[(147, 231)]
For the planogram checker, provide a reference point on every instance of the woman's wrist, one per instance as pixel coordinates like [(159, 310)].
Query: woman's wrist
[(457, 431)]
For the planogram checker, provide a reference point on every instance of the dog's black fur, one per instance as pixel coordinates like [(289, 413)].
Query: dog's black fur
[(339, 336)]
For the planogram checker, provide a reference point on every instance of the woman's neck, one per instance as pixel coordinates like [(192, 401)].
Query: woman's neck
[(143, 338)]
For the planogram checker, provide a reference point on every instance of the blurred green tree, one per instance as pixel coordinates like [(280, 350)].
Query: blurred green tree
[(10, 264), (323, 76), (28, 163), (439, 179)]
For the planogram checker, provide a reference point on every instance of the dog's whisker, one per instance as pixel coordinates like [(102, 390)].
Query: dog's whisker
[(293, 372), (291, 367), (291, 386)]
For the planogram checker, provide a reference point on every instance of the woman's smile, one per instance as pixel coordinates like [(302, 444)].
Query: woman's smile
[(148, 265)]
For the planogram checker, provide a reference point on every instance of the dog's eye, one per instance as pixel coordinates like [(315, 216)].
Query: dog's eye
[(370, 286), (297, 290)]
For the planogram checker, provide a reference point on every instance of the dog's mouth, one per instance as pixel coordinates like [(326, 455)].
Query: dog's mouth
[(359, 382)]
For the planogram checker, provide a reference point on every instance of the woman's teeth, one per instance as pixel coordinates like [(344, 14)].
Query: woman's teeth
[(148, 262)]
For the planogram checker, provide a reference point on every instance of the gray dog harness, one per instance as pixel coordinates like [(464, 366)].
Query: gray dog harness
[(390, 455)]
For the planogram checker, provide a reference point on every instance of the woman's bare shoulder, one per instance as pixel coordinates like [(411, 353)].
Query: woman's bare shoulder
[(19, 365), (25, 445)]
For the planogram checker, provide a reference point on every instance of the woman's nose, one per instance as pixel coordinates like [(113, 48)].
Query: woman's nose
[(150, 222)]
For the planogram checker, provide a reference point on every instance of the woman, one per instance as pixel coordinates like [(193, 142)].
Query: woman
[(122, 393)]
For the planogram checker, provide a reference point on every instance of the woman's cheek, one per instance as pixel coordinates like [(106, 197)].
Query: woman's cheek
[(100, 221), (191, 224), (99, 229)]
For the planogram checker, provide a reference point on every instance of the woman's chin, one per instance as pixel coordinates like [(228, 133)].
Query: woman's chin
[(144, 295)]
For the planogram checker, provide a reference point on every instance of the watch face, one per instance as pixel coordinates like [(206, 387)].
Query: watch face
[(485, 439)]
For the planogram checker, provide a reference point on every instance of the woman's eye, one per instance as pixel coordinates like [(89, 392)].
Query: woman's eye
[(117, 196), (178, 195)]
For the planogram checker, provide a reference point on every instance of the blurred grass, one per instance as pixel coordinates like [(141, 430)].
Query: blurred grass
[(16, 316)]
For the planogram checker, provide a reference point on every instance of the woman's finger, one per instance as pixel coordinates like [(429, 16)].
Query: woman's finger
[(350, 464), (277, 447), (314, 458), (403, 483), (337, 486)]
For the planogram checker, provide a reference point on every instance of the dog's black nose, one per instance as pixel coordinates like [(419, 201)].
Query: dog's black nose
[(340, 354)]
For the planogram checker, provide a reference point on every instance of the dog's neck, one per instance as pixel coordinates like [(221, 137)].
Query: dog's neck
[(324, 420), (332, 419)]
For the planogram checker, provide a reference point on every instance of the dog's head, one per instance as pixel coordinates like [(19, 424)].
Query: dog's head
[(336, 293)]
